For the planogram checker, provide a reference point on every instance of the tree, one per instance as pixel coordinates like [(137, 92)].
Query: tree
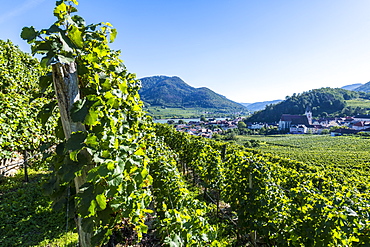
[(103, 152), (241, 125)]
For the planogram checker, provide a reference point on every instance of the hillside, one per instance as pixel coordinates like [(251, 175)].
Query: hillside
[(352, 86), (364, 88), (174, 92), (323, 102), (257, 106)]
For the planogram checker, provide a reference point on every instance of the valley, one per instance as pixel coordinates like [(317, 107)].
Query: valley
[(95, 168)]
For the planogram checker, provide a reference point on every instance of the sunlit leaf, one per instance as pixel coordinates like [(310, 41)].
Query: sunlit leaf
[(76, 36)]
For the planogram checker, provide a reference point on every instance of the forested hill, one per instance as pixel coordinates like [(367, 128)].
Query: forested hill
[(257, 106), (363, 88), (174, 92), (352, 87), (323, 102)]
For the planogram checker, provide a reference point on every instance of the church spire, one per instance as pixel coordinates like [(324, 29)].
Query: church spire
[(308, 114)]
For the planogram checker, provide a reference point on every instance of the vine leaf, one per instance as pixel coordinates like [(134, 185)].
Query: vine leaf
[(92, 118), (79, 111), (60, 10), (45, 81), (29, 34), (76, 36), (113, 35), (102, 201), (65, 59), (76, 141)]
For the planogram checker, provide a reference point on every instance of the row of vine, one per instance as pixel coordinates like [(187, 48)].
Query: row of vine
[(284, 201)]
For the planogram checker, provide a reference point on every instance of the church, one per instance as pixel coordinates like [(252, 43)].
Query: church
[(287, 120)]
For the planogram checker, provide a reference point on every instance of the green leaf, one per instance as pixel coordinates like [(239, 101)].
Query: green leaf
[(47, 60), (59, 132), (91, 141), (102, 201), (79, 110), (92, 118), (60, 148), (106, 215), (76, 36), (85, 198), (42, 47), (101, 51), (64, 59), (68, 170), (143, 228), (29, 34), (66, 45), (75, 2), (60, 10), (113, 35), (46, 112), (93, 207), (73, 155), (53, 29), (45, 81), (120, 167), (76, 141), (123, 87), (79, 20)]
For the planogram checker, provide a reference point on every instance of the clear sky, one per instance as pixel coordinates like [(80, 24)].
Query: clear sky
[(246, 50)]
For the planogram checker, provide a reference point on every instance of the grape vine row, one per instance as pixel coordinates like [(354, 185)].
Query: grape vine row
[(284, 201)]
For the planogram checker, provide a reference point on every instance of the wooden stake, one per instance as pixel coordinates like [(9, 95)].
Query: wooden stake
[(65, 81), (25, 164)]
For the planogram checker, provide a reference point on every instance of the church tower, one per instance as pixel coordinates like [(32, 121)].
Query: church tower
[(308, 114)]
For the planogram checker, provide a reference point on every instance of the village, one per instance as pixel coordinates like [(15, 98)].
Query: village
[(288, 124)]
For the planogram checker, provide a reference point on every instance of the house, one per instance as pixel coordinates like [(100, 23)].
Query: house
[(315, 129), (364, 118), (298, 129), (361, 125), (256, 126), (339, 132)]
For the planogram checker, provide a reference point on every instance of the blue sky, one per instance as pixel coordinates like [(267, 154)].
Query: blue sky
[(246, 50)]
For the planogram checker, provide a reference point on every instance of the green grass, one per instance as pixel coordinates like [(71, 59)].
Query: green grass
[(26, 216)]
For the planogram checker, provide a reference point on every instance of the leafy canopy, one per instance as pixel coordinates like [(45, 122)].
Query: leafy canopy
[(116, 191)]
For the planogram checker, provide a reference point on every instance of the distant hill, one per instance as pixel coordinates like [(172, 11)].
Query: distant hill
[(323, 101), (364, 88), (352, 86), (257, 106), (174, 92)]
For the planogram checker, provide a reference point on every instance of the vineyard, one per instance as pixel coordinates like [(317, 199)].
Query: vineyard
[(348, 153), (111, 177), (281, 201)]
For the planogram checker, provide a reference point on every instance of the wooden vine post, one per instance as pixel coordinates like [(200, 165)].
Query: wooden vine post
[(25, 164), (65, 82)]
